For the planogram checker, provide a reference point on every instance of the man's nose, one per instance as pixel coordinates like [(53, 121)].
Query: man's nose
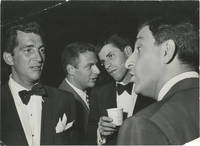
[(107, 64), (39, 56), (130, 63), (96, 70)]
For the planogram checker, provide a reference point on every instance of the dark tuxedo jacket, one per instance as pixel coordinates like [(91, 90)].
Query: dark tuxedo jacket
[(104, 97), (82, 126), (173, 120), (56, 104)]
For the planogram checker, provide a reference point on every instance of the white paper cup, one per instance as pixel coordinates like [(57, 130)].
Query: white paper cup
[(116, 114)]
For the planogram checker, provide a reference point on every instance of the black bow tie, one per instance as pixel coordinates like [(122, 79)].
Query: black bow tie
[(121, 88), (37, 89)]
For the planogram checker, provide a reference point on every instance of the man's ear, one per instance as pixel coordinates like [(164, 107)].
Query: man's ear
[(168, 51), (128, 51), (8, 58), (70, 69)]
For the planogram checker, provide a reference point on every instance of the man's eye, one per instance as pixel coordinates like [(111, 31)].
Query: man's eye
[(139, 48), (110, 55), (102, 62), (42, 50), (27, 50)]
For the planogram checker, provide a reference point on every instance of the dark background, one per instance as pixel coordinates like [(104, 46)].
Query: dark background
[(89, 21)]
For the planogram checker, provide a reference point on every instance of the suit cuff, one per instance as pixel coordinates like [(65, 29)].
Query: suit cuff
[(100, 140)]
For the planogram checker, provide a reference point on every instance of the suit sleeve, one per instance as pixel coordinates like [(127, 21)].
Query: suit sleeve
[(140, 131)]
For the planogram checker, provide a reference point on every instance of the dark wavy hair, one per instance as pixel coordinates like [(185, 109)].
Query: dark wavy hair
[(182, 32), (30, 27), (116, 40), (71, 52)]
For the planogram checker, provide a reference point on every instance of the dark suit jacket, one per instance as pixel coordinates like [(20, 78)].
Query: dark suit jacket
[(56, 104), (104, 97), (81, 125), (173, 120)]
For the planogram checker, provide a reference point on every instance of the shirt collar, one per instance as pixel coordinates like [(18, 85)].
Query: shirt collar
[(169, 84), (80, 92), (15, 88), (14, 85), (120, 83)]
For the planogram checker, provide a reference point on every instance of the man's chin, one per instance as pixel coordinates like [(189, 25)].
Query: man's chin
[(35, 78), (132, 81), (91, 84), (117, 78), (136, 89)]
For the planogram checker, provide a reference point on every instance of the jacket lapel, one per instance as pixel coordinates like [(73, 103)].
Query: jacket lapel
[(82, 109), (182, 85), (65, 86), (112, 97), (47, 132), (142, 102), (9, 114), (108, 98)]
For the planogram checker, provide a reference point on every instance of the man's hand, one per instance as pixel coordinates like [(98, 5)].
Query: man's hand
[(106, 127)]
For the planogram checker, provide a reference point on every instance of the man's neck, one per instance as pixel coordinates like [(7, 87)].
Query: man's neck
[(169, 74), (127, 78), (73, 82), (24, 83)]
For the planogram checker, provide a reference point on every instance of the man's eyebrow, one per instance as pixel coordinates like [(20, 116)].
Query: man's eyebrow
[(26, 46), (42, 46), (139, 37), (90, 64), (108, 54), (31, 45)]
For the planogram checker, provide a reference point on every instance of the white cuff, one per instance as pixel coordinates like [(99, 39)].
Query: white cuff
[(100, 140)]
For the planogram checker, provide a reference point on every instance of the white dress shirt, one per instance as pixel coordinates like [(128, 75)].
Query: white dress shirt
[(126, 101), (29, 115), (169, 84), (80, 92)]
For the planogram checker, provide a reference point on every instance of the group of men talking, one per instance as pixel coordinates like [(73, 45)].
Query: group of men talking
[(156, 82)]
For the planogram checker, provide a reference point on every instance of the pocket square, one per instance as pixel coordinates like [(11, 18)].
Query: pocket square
[(62, 124)]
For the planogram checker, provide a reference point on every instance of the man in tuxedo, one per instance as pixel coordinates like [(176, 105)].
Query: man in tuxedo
[(164, 66), (31, 113), (79, 64), (118, 93)]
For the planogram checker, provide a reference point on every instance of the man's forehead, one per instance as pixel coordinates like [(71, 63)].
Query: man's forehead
[(144, 34), (87, 58), (88, 55), (22, 33), (106, 49), (27, 36), (25, 39)]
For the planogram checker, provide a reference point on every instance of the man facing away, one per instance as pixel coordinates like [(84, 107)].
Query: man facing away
[(164, 66), (118, 93), (32, 114), (79, 64)]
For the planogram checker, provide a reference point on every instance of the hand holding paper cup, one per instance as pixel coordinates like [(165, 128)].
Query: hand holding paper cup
[(116, 114)]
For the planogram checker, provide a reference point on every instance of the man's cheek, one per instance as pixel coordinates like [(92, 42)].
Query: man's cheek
[(145, 65)]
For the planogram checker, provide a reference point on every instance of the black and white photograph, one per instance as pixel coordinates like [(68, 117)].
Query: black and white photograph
[(99, 72)]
